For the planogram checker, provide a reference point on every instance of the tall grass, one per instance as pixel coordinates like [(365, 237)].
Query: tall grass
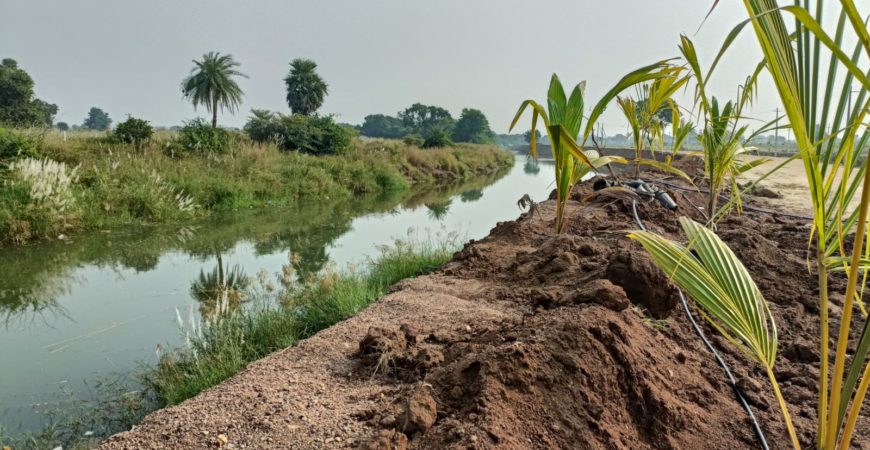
[(121, 184), (221, 348)]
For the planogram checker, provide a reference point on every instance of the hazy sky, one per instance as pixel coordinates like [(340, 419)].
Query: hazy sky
[(378, 56)]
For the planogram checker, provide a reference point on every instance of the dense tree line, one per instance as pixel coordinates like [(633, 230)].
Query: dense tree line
[(213, 84), (433, 125)]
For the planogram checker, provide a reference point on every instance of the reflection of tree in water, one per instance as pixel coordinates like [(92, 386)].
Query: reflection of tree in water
[(438, 210), (531, 167), (30, 287), (219, 291), (37, 276), (471, 195)]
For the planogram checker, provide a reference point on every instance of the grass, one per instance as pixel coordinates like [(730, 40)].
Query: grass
[(118, 184)]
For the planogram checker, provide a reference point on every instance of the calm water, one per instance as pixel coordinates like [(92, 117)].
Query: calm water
[(77, 311)]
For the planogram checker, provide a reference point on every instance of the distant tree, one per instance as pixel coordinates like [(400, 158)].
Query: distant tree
[(133, 131), (528, 136), (45, 111), (510, 140), (305, 89), (18, 107), (211, 84), (62, 126), (420, 118), (383, 126), (97, 119), (473, 127)]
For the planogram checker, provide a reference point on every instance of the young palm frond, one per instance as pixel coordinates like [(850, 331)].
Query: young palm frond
[(722, 286), (722, 137)]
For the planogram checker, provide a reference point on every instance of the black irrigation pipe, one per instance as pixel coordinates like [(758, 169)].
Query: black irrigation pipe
[(740, 398), (746, 207)]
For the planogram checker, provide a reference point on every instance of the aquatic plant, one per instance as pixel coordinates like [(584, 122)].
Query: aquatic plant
[(835, 172)]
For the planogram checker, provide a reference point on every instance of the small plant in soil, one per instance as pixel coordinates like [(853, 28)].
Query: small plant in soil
[(563, 121), (644, 115), (723, 133)]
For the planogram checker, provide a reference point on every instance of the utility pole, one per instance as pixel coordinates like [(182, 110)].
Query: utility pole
[(776, 139)]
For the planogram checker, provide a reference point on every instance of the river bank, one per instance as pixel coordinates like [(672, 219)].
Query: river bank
[(97, 184), (65, 328), (528, 339)]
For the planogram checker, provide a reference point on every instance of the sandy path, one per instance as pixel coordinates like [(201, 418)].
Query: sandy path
[(790, 181)]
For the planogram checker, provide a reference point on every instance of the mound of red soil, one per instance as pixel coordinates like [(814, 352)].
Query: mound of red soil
[(529, 339)]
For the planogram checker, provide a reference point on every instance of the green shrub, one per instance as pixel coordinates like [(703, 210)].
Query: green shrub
[(317, 135), (198, 137), (13, 144), (414, 140), (263, 126), (437, 138), (133, 131)]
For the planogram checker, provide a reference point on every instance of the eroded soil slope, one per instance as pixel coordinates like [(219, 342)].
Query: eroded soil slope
[(527, 340)]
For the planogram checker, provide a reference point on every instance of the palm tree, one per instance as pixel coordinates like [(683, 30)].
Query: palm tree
[(211, 83), (305, 89)]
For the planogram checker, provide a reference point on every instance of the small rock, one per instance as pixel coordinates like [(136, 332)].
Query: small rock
[(386, 440), (222, 439), (420, 411)]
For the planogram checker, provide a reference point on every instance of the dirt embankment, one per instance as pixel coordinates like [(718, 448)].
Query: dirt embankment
[(527, 340)]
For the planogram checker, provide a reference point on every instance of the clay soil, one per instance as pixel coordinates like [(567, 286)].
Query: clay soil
[(528, 339)]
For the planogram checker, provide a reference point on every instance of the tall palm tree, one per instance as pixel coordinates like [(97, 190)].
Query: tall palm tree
[(211, 83), (305, 89)]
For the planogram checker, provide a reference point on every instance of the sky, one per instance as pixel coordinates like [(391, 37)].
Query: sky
[(378, 56)]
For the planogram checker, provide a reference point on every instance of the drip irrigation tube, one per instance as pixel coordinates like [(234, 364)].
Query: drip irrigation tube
[(726, 198), (740, 398)]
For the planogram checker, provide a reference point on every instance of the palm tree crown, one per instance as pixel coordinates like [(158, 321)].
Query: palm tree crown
[(211, 83), (305, 89)]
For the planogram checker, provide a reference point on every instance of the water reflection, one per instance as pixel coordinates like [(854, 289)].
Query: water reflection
[(438, 210), (35, 277), (531, 167), (220, 291), (471, 195)]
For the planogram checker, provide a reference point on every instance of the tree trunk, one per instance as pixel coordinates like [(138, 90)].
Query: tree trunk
[(712, 203), (214, 108), (221, 281)]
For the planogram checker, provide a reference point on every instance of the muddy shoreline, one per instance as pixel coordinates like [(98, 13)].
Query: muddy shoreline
[(528, 339)]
